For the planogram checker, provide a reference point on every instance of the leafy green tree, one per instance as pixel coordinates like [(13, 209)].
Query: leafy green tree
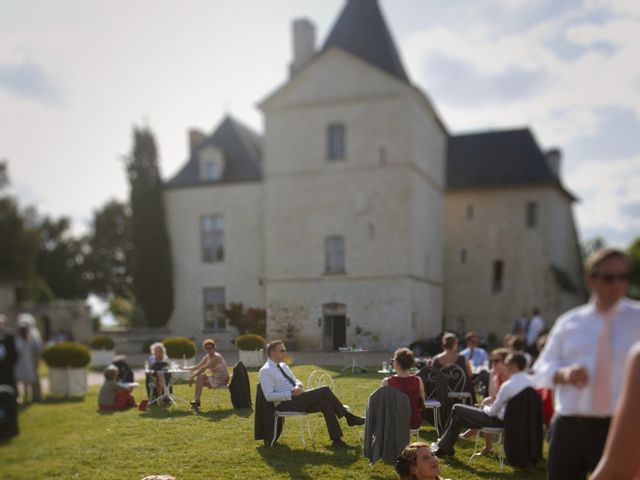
[(152, 266), (108, 264), (634, 254), (61, 259), (18, 245)]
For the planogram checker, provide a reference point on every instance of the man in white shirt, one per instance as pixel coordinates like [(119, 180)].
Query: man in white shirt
[(465, 416), (582, 360), (280, 386)]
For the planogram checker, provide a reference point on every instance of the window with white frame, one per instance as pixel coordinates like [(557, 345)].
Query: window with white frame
[(336, 141), (214, 302), (212, 238), (334, 254)]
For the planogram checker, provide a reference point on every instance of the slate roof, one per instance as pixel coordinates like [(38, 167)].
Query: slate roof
[(498, 159), (362, 31), (242, 149)]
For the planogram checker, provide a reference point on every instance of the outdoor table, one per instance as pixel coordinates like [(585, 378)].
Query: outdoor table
[(352, 361), (174, 374)]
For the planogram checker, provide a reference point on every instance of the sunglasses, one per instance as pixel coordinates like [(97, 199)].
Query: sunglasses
[(612, 277), (209, 348)]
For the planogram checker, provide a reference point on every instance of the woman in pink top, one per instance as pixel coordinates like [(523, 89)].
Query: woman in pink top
[(219, 372), (409, 384)]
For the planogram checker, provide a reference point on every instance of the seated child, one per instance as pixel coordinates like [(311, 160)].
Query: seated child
[(112, 396)]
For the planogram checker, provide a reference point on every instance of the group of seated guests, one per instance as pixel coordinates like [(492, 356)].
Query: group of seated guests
[(211, 372)]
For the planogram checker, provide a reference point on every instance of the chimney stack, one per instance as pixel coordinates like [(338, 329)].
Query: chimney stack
[(304, 44), (554, 156), (196, 138)]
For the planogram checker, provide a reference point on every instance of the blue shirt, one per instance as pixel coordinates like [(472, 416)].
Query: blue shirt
[(478, 357)]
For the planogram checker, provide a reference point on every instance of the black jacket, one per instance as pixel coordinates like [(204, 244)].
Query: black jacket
[(264, 418), (523, 429), (239, 388)]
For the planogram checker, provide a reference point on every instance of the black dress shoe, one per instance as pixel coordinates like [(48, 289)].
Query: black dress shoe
[(354, 419), (195, 405), (338, 443)]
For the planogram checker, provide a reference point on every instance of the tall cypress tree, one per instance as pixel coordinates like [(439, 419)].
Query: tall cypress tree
[(152, 266)]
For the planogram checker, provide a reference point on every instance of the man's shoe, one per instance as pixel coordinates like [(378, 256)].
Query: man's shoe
[(353, 420), (338, 443), (438, 452)]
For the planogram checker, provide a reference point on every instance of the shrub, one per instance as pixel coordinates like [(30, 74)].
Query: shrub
[(101, 342), (250, 341), (178, 347), (67, 354)]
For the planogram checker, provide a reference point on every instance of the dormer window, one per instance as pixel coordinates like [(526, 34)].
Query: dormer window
[(211, 163)]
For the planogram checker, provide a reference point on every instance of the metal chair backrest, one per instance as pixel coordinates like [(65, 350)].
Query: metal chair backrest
[(320, 378), (456, 378)]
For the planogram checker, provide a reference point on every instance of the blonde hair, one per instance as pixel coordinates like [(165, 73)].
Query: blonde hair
[(160, 345)]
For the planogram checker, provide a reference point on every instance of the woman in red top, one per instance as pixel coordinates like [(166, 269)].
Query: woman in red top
[(405, 382)]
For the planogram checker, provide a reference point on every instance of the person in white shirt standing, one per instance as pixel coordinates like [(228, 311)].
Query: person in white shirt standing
[(582, 360), (280, 386), (465, 416), (534, 330)]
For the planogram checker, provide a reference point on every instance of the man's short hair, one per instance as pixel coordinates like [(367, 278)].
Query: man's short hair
[(470, 335), (517, 343), (404, 357), (272, 344), (597, 258), (516, 359)]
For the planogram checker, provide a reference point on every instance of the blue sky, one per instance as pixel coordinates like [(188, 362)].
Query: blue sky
[(76, 75)]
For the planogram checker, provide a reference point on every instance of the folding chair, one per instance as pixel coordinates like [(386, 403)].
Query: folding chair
[(457, 383)]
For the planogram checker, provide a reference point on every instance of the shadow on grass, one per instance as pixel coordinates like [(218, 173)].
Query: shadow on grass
[(163, 413), (293, 462), (55, 400)]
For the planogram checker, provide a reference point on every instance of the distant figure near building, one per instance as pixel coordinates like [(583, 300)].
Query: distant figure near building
[(534, 330), (521, 325), (582, 360)]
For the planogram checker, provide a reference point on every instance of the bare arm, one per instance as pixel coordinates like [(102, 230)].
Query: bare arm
[(422, 394), (620, 459), (385, 382), (467, 367)]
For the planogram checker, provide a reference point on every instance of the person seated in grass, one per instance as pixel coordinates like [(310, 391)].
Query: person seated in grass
[(218, 371), (417, 462), (112, 396), (409, 384)]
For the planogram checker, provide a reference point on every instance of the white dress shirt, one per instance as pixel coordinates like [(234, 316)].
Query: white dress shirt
[(509, 389), (573, 340), (275, 387)]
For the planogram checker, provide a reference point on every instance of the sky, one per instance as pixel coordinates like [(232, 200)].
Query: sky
[(77, 75)]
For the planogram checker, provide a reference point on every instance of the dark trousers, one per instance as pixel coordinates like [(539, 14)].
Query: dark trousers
[(465, 416), (318, 400), (575, 446)]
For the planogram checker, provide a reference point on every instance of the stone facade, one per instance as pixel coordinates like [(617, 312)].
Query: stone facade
[(484, 226)]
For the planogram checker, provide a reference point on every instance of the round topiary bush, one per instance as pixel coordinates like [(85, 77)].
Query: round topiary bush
[(250, 341), (179, 347), (101, 342), (67, 354)]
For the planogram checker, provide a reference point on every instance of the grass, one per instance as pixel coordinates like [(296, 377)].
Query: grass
[(71, 439)]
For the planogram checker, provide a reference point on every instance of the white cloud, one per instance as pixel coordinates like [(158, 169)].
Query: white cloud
[(608, 186)]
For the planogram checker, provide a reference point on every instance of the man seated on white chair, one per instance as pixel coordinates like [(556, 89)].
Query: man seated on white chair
[(465, 416), (280, 386)]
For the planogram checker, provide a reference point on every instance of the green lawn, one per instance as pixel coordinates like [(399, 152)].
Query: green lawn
[(70, 439)]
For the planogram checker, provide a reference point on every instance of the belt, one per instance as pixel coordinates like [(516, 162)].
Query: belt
[(587, 420)]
